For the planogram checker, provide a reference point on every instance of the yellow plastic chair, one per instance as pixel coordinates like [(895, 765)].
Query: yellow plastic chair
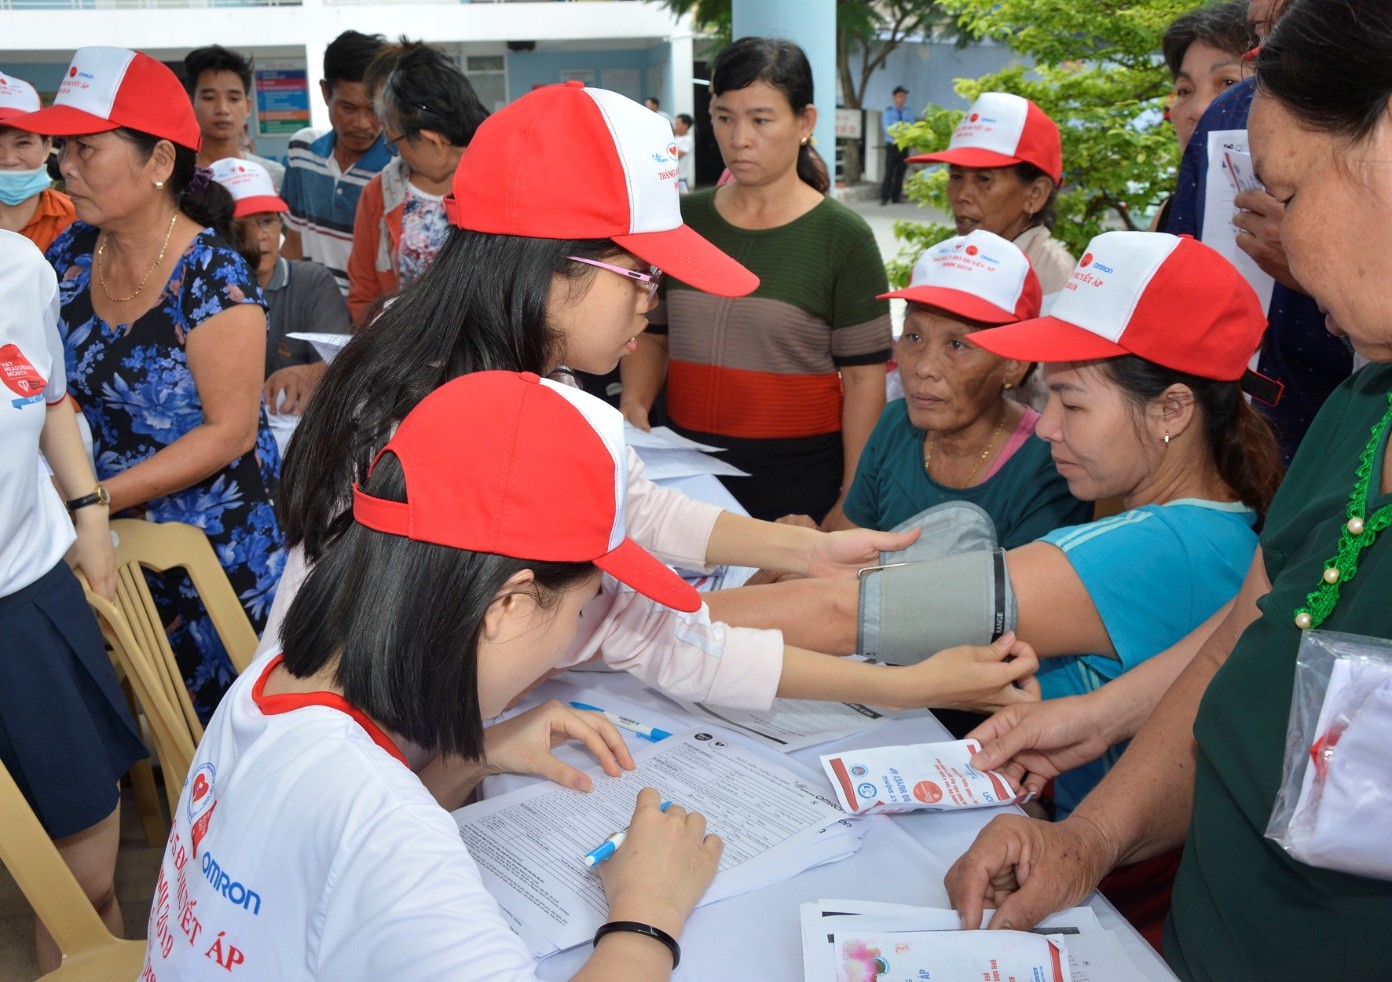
[(162, 546), (90, 952), (152, 674)]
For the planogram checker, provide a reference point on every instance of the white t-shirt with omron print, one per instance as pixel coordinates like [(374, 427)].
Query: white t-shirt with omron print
[(303, 847)]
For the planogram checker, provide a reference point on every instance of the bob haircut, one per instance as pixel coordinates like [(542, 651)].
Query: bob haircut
[(426, 91), (404, 618), (1239, 438), (1329, 64), (1219, 25), (479, 305), (781, 65)]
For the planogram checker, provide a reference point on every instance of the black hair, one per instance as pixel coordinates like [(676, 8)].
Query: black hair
[(657, 104), (381, 66), (1329, 64), (348, 55), (782, 65), (204, 201), (404, 619), (1220, 25), (427, 91), (479, 305), (1244, 448), (215, 58), (1028, 173), (686, 118)]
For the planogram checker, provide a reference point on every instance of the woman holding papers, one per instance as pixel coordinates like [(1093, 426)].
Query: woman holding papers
[(304, 845), (1144, 357), (1204, 770), (533, 278)]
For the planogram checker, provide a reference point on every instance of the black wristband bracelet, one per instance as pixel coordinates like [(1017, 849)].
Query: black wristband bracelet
[(647, 930)]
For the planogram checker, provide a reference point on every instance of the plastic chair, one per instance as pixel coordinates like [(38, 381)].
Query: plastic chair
[(90, 952), (151, 673), (162, 546)]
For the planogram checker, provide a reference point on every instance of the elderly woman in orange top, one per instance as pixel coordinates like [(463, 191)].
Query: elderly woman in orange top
[(28, 205)]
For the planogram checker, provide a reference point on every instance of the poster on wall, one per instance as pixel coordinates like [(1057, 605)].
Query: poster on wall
[(624, 81), (282, 98), (585, 75)]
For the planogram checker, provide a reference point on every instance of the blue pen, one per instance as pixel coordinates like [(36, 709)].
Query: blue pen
[(624, 723), (610, 845)]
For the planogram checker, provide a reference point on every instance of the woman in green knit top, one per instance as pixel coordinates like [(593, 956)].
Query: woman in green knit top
[(791, 379)]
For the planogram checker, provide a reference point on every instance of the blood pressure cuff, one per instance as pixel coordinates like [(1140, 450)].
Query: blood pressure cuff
[(948, 529), (911, 611)]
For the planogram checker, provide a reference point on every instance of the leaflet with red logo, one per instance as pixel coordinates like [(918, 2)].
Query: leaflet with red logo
[(919, 777)]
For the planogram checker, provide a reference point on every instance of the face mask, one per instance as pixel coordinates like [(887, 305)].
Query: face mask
[(20, 185)]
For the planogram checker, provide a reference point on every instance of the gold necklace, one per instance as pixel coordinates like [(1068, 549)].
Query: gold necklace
[(101, 273), (990, 445)]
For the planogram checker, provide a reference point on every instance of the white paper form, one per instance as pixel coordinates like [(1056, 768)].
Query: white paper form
[(528, 844), (1093, 953), (667, 456), (792, 724), (328, 345), (1218, 229)]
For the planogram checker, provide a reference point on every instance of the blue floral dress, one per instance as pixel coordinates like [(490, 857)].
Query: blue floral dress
[(135, 388)]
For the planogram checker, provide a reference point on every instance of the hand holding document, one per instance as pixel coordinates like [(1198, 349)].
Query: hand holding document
[(1226, 148), (666, 455), (530, 844), (921, 777)]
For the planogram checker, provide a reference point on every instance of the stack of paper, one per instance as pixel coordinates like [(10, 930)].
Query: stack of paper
[(665, 455), (792, 724), (529, 843), (327, 345), (841, 937)]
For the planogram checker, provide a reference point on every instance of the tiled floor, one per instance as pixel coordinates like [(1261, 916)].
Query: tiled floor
[(137, 866)]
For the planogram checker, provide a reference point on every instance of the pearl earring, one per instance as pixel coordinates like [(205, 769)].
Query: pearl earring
[(1008, 386), (802, 142), (1167, 438), (159, 185)]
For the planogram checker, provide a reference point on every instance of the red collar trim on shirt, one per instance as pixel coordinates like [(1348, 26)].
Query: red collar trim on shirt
[(288, 702)]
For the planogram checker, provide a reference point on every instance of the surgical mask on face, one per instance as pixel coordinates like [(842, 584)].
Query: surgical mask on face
[(20, 185)]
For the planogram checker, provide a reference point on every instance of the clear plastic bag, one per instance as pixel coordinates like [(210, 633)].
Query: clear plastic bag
[(1334, 806)]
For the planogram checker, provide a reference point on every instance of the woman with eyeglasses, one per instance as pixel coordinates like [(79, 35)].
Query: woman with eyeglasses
[(429, 113)]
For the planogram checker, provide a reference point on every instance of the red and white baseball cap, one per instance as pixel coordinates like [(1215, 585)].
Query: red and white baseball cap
[(250, 186), (17, 98), (109, 88), (544, 479), (568, 162), (1168, 299), (1001, 130), (979, 276)]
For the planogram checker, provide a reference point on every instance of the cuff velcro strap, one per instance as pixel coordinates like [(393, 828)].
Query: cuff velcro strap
[(647, 930), (912, 610)]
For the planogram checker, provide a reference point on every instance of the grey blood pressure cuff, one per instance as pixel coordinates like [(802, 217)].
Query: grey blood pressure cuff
[(949, 587)]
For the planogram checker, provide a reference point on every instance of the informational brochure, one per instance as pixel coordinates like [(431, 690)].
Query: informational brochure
[(1093, 953), (995, 956), (792, 724), (530, 844), (1221, 188), (919, 777)]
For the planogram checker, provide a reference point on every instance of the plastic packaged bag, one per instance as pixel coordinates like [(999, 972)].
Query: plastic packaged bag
[(1334, 806)]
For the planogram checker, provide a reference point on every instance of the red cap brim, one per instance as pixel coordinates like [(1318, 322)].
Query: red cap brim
[(259, 205), (8, 116), (62, 121), (685, 255), (966, 157), (630, 563), (954, 302), (1047, 339)]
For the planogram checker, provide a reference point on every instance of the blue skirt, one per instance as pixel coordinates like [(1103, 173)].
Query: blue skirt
[(66, 733)]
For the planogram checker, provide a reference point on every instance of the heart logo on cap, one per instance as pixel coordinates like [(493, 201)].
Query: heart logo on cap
[(72, 72), (1086, 260), (972, 250)]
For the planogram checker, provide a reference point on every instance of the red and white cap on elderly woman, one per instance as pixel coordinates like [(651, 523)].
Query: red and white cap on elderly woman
[(17, 98), (620, 182), (980, 276), (109, 88), (1001, 130), (250, 186)]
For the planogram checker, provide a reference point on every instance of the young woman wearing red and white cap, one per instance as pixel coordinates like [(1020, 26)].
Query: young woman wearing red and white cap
[(536, 278), (28, 205), (1143, 404), (165, 334), (304, 844), (1005, 166)]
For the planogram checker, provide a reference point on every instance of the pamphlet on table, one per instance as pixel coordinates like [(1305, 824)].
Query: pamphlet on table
[(920, 777)]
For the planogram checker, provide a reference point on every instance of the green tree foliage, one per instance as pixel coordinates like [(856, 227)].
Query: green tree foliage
[(1098, 75)]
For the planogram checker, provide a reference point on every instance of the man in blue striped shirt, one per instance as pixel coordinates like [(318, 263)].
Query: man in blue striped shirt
[(326, 175)]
